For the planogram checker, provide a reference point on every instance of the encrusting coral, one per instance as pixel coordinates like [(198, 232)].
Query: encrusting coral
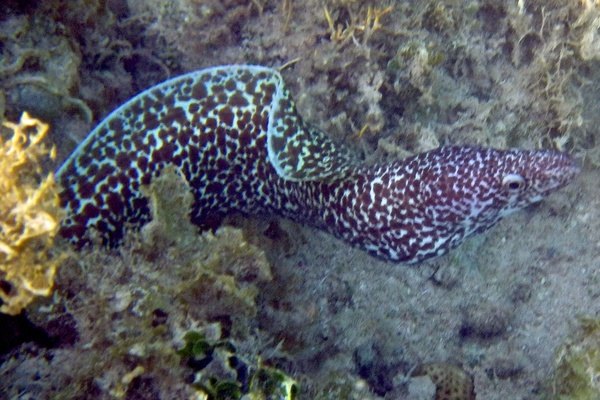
[(30, 215), (222, 279), (451, 382)]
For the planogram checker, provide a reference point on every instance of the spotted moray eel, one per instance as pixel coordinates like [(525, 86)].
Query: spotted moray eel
[(234, 134)]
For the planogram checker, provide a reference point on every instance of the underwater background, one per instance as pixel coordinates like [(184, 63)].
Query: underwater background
[(264, 308)]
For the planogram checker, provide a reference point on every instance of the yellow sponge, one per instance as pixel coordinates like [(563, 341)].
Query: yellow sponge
[(30, 216)]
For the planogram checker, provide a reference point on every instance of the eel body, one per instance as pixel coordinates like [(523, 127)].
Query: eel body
[(234, 134)]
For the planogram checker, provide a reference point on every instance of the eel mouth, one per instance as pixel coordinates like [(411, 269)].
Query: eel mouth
[(562, 171)]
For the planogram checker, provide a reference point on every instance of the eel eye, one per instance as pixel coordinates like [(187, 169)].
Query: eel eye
[(513, 182)]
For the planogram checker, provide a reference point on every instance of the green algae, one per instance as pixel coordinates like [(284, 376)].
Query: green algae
[(577, 364), (223, 374)]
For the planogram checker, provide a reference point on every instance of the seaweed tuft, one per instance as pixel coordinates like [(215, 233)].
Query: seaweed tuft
[(30, 216)]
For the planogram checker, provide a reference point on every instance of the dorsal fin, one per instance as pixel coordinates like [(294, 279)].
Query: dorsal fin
[(298, 152)]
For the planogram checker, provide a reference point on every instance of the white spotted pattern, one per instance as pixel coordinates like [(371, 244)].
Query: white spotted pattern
[(234, 134)]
